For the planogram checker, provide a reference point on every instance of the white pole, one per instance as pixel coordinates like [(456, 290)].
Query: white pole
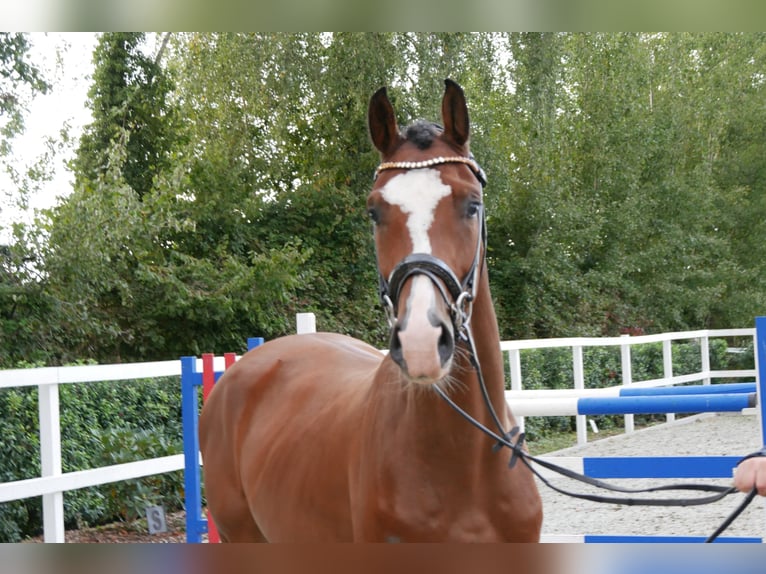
[(667, 369), (306, 323), (627, 378), (579, 384), (50, 460), (705, 356), (514, 366)]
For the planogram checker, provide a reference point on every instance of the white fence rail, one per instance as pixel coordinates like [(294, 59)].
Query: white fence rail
[(52, 483), (625, 343)]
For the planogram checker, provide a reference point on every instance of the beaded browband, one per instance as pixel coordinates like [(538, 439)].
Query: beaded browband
[(470, 162)]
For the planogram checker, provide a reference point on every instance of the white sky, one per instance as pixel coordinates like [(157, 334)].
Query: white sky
[(66, 62)]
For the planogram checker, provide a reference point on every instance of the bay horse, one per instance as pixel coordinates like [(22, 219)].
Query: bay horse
[(323, 438)]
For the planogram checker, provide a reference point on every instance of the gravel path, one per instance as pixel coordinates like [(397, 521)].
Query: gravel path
[(713, 435)]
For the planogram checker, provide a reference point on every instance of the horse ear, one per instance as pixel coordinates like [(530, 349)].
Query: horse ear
[(455, 114), (381, 122)]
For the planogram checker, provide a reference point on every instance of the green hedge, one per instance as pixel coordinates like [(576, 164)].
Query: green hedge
[(101, 424), (552, 369)]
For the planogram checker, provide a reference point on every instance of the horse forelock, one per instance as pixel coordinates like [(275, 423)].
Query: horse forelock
[(422, 133)]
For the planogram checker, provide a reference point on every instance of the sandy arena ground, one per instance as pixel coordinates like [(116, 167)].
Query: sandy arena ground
[(713, 435)]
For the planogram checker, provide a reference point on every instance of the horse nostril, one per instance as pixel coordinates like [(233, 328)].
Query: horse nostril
[(446, 345), (395, 347)]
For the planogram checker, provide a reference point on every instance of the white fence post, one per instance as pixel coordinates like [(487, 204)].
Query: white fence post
[(667, 369), (50, 460), (514, 366), (705, 356), (579, 383), (306, 323), (627, 378)]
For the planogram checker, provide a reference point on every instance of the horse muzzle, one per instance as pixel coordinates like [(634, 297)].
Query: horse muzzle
[(422, 344), (424, 326)]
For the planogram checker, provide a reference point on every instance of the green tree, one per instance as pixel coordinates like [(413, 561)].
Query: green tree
[(152, 275), (287, 148), (16, 75), (620, 167), (23, 304), (533, 227), (614, 217), (128, 98), (737, 67)]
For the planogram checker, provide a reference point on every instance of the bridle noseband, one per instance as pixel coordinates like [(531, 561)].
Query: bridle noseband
[(458, 294)]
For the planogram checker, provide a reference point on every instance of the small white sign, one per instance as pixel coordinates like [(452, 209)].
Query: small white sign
[(155, 518)]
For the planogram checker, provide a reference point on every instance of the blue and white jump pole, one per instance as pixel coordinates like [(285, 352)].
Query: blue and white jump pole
[(734, 397)]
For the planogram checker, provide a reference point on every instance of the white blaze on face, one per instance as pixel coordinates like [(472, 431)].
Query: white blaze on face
[(417, 193)]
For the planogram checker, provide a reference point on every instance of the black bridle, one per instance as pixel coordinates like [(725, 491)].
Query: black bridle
[(459, 295)]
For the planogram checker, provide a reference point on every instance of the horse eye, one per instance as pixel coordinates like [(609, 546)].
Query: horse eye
[(374, 216), (473, 208)]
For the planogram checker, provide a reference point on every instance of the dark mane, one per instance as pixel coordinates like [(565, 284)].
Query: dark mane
[(422, 133)]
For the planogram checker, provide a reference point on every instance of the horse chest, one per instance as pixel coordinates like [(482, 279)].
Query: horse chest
[(404, 505), (432, 518)]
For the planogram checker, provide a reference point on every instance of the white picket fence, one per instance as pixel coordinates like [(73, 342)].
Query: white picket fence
[(52, 484), (625, 343)]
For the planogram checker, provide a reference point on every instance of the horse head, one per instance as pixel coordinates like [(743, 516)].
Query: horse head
[(426, 206)]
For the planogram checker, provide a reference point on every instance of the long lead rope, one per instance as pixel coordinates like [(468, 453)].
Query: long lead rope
[(733, 516), (504, 439)]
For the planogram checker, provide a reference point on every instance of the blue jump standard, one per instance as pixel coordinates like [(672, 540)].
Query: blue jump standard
[(191, 383)]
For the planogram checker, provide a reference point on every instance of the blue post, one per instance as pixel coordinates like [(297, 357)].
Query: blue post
[(191, 379), (760, 357), (254, 342)]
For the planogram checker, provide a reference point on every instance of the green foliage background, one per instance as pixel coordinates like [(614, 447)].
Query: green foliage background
[(221, 186)]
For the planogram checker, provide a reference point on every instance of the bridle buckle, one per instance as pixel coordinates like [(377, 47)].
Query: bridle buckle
[(462, 309)]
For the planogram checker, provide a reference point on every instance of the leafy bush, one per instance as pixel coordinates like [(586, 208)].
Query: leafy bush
[(21, 459), (101, 424), (128, 499)]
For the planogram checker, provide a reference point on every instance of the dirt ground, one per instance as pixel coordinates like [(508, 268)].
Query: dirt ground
[(129, 533), (699, 435)]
